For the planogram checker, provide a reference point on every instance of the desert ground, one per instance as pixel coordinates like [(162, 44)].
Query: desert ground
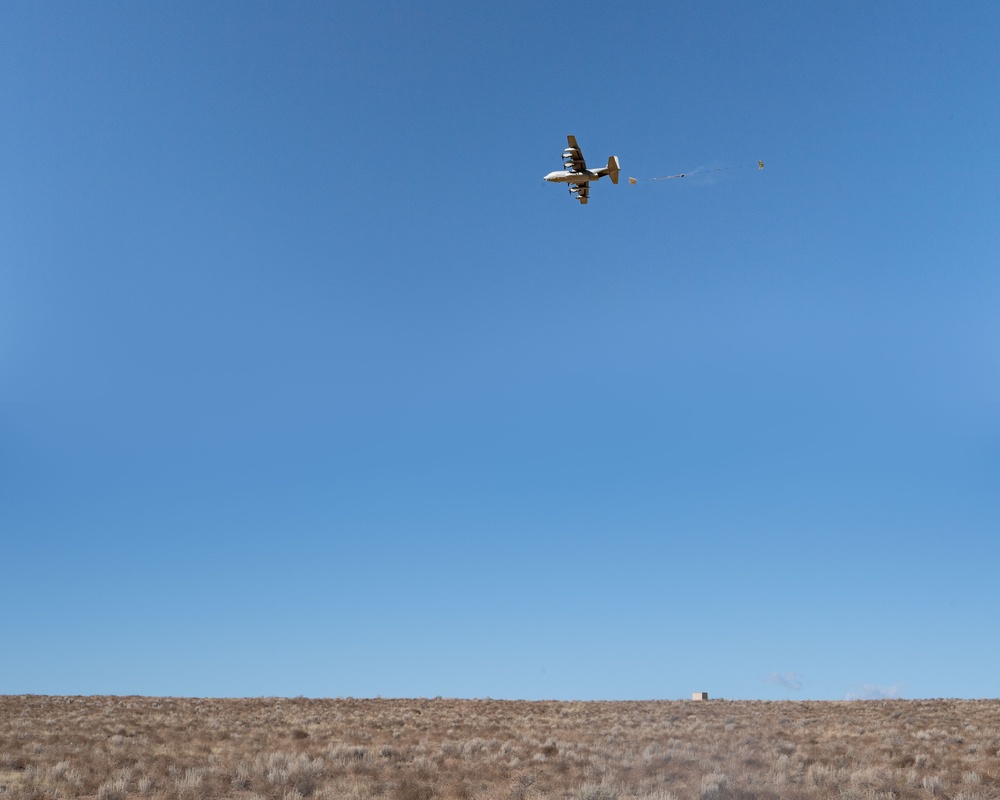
[(113, 748)]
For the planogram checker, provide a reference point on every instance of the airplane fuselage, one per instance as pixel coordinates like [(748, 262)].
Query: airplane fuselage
[(565, 176), (576, 174)]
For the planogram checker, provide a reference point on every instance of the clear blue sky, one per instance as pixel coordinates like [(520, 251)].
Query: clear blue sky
[(311, 386)]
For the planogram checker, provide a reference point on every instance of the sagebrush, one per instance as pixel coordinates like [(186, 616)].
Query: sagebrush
[(112, 748)]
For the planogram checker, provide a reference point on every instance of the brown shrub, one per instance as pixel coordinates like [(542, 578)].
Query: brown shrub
[(56, 748)]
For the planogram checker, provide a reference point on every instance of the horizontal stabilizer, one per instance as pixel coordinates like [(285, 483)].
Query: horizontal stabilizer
[(613, 168)]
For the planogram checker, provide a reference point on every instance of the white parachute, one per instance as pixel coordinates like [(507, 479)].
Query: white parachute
[(634, 181)]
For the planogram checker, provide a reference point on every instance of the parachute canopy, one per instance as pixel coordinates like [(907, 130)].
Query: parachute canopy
[(634, 181)]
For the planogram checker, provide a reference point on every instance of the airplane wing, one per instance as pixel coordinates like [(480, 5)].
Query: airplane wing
[(572, 157), (581, 190)]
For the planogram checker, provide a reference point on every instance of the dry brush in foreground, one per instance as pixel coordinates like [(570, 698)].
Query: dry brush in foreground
[(112, 748)]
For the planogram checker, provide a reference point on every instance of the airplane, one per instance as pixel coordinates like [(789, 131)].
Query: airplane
[(576, 174)]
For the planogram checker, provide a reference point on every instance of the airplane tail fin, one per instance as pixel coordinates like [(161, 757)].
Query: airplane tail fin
[(613, 168)]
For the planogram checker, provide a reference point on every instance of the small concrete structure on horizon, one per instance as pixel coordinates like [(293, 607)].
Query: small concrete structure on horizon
[(699, 696)]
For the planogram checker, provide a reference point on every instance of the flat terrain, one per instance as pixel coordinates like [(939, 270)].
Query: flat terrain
[(189, 749)]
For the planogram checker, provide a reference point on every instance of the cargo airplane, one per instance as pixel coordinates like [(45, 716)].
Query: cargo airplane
[(576, 174)]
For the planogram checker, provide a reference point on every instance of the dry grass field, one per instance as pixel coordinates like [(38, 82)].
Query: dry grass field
[(113, 748)]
